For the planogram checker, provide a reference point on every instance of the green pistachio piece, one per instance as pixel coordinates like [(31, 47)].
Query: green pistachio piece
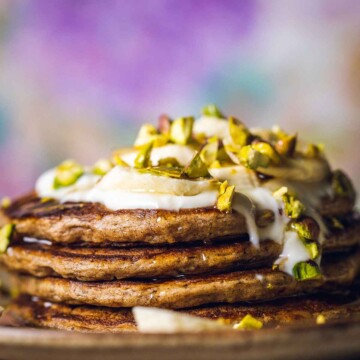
[(196, 168), (342, 185), (142, 159), (173, 172), (306, 228), (209, 151), (212, 110), (293, 207), (5, 202), (313, 248), (226, 194), (253, 159), (117, 160), (169, 162), (286, 145), (248, 322), (67, 173), (314, 150), (5, 235), (102, 167), (149, 134), (239, 134), (306, 270), (181, 130), (164, 124), (266, 149)]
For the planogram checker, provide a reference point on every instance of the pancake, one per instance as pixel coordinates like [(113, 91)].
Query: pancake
[(94, 223), (95, 264), (248, 285), (37, 312)]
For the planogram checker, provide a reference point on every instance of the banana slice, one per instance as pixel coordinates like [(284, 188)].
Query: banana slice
[(237, 175), (300, 169), (120, 178), (154, 320), (182, 153)]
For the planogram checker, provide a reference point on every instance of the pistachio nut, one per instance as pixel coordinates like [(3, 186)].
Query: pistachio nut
[(248, 322), (342, 185), (253, 159), (142, 159), (67, 173), (181, 130), (306, 270), (5, 236), (226, 194), (102, 167), (212, 110), (239, 134)]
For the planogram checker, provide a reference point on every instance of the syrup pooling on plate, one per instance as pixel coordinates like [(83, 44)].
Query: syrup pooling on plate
[(215, 161)]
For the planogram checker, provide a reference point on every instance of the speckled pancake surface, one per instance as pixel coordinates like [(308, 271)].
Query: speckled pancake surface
[(40, 313), (108, 263), (94, 223), (248, 285)]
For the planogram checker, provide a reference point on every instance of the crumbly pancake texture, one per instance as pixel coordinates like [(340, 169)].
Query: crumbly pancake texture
[(95, 264), (247, 285), (94, 223), (40, 313)]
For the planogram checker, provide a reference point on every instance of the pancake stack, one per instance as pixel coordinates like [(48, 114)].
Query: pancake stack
[(78, 262)]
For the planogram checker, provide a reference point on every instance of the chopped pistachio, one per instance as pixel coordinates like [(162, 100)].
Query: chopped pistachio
[(320, 319), (209, 151), (169, 162), (5, 235), (5, 202), (286, 145), (248, 322), (149, 134), (67, 173), (342, 185), (266, 149), (142, 159), (102, 167), (181, 130), (215, 165), (212, 110), (293, 207), (278, 194), (253, 159), (306, 270), (313, 248), (196, 168), (306, 228), (313, 150), (46, 199), (164, 124), (226, 194), (238, 132), (173, 172), (117, 160)]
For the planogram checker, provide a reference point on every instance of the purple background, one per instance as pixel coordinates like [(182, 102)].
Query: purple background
[(78, 77)]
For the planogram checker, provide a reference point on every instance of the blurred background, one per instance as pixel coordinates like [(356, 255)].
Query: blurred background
[(78, 77)]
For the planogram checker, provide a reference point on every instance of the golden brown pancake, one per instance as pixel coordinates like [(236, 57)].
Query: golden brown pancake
[(40, 313), (248, 285), (95, 264), (94, 223)]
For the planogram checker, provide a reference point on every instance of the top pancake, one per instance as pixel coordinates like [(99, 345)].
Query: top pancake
[(94, 223)]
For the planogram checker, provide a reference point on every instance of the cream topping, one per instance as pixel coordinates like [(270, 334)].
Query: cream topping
[(293, 252), (123, 188)]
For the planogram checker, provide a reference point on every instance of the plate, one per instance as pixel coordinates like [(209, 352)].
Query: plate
[(336, 340)]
